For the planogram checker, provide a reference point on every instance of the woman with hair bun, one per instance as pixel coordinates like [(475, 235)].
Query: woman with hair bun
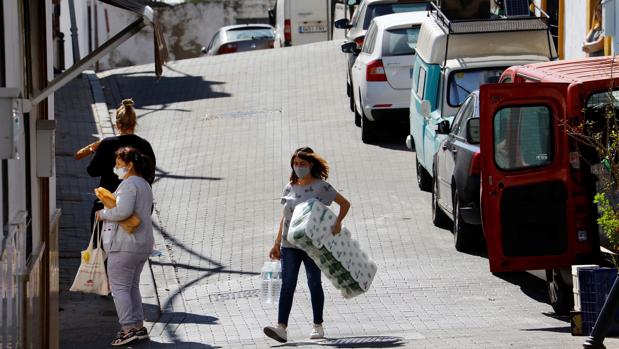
[(102, 164), (128, 251)]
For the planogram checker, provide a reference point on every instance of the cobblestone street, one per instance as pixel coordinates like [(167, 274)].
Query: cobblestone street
[(223, 129)]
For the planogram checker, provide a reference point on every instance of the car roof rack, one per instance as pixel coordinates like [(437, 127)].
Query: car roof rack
[(488, 25)]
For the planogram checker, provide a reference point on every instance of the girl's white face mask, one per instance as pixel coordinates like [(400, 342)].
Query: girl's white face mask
[(120, 172)]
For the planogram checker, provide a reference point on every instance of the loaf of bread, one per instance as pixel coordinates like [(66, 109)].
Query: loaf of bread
[(87, 150), (109, 201)]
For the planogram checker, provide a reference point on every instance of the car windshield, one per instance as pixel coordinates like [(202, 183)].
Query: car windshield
[(398, 42), (377, 10), (250, 34), (461, 83)]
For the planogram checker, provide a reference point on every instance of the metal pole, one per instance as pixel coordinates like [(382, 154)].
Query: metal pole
[(605, 318), (75, 43)]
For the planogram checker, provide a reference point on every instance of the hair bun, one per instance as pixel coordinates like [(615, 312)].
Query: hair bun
[(128, 102)]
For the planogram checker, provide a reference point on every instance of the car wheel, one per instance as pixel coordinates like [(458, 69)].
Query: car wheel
[(464, 236), (348, 89), (439, 218), (424, 181), (559, 293), (368, 129)]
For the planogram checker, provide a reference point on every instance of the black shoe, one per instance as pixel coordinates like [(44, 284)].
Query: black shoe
[(142, 333), (123, 338)]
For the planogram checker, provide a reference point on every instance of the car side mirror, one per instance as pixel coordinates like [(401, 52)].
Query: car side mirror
[(342, 24), (350, 47), (472, 131), (443, 128), (203, 50), (425, 108)]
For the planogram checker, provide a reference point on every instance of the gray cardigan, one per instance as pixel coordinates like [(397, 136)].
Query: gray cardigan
[(133, 195)]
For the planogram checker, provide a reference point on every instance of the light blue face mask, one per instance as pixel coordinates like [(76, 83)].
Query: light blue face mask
[(301, 171), (120, 172)]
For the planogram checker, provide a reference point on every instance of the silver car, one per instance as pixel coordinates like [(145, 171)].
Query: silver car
[(240, 38)]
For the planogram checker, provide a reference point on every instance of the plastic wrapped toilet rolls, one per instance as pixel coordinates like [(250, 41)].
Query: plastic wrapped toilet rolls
[(339, 256)]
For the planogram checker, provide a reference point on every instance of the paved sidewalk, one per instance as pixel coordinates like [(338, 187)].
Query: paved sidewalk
[(86, 321), (223, 129)]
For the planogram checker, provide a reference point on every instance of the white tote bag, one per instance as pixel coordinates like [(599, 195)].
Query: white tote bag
[(91, 276)]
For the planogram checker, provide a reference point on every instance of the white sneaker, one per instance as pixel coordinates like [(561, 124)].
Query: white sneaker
[(276, 332), (317, 332)]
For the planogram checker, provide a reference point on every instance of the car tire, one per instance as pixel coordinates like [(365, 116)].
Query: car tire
[(424, 181), (348, 88), (464, 235), (368, 129), (357, 115), (559, 293), (439, 218)]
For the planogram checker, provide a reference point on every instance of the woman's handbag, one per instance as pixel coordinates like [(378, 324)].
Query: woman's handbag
[(91, 276)]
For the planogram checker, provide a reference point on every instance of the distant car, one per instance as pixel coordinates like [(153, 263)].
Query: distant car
[(366, 11), (240, 38), (456, 175), (381, 76)]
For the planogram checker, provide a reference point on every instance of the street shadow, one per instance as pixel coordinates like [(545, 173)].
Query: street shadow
[(152, 314), (151, 344), (161, 174), (146, 90), (565, 329), (530, 285), (352, 342)]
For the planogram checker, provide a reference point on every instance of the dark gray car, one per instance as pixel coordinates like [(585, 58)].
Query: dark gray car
[(456, 180), (240, 38)]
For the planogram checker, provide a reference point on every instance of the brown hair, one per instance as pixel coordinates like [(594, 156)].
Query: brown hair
[(319, 167), (125, 115), (141, 163)]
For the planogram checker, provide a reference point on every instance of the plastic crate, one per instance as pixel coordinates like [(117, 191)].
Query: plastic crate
[(595, 284)]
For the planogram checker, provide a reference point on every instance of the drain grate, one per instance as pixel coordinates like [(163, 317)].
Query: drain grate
[(241, 114), (226, 296)]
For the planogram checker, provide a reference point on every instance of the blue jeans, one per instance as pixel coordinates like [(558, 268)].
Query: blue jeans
[(291, 262)]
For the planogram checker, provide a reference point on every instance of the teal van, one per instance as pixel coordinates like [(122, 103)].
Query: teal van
[(455, 58)]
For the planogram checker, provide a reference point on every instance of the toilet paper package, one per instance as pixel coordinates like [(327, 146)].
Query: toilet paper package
[(338, 256)]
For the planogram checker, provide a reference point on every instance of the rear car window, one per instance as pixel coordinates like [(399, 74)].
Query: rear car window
[(377, 10), (402, 41), (522, 137), (250, 34), (462, 83)]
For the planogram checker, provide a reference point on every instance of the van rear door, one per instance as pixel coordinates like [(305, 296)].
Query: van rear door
[(526, 201), (309, 21)]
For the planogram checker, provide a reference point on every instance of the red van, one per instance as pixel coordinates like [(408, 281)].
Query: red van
[(538, 183)]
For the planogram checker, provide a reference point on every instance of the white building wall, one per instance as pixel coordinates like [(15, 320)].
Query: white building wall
[(574, 28)]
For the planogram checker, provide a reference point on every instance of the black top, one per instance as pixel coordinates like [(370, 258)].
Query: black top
[(104, 160)]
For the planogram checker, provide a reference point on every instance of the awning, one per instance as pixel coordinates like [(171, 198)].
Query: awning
[(147, 17)]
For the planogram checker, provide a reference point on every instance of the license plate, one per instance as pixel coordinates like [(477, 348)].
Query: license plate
[(313, 27)]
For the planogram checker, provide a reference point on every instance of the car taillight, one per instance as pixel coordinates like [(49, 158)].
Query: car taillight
[(227, 48), (375, 71), (359, 41), (475, 167), (287, 31)]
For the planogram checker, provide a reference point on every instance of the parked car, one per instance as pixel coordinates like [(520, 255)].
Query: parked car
[(456, 176), (240, 38), (381, 75), (299, 22), (455, 57), (366, 11)]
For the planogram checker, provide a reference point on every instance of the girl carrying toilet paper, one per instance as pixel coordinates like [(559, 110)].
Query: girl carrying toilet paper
[(307, 181)]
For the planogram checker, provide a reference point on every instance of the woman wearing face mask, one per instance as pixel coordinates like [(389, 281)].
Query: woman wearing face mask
[(103, 161), (307, 181), (127, 253)]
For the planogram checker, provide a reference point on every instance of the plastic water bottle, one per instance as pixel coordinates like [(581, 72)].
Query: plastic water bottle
[(266, 275), (276, 281)]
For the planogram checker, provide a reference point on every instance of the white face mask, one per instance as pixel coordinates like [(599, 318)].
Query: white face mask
[(121, 172)]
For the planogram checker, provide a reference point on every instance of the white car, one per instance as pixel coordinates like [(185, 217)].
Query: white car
[(382, 73)]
